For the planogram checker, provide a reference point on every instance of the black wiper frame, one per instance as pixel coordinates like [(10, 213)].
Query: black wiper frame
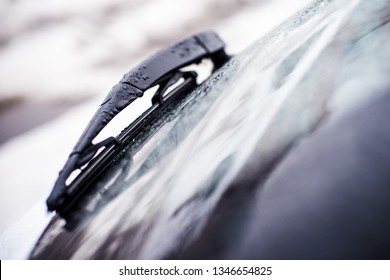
[(163, 69)]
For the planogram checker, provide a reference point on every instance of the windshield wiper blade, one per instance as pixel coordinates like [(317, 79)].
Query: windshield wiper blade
[(162, 69)]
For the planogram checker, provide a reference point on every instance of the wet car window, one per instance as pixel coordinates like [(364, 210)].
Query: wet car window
[(232, 133)]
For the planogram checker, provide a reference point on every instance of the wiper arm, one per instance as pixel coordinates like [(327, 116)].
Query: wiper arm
[(163, 69)]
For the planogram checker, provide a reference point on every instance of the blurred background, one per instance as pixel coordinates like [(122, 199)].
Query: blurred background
[(58, 60)]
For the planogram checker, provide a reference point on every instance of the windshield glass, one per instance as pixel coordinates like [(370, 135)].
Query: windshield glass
[(233, 131)]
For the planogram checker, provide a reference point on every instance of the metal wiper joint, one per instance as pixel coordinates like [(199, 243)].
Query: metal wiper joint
[(163, 69)]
